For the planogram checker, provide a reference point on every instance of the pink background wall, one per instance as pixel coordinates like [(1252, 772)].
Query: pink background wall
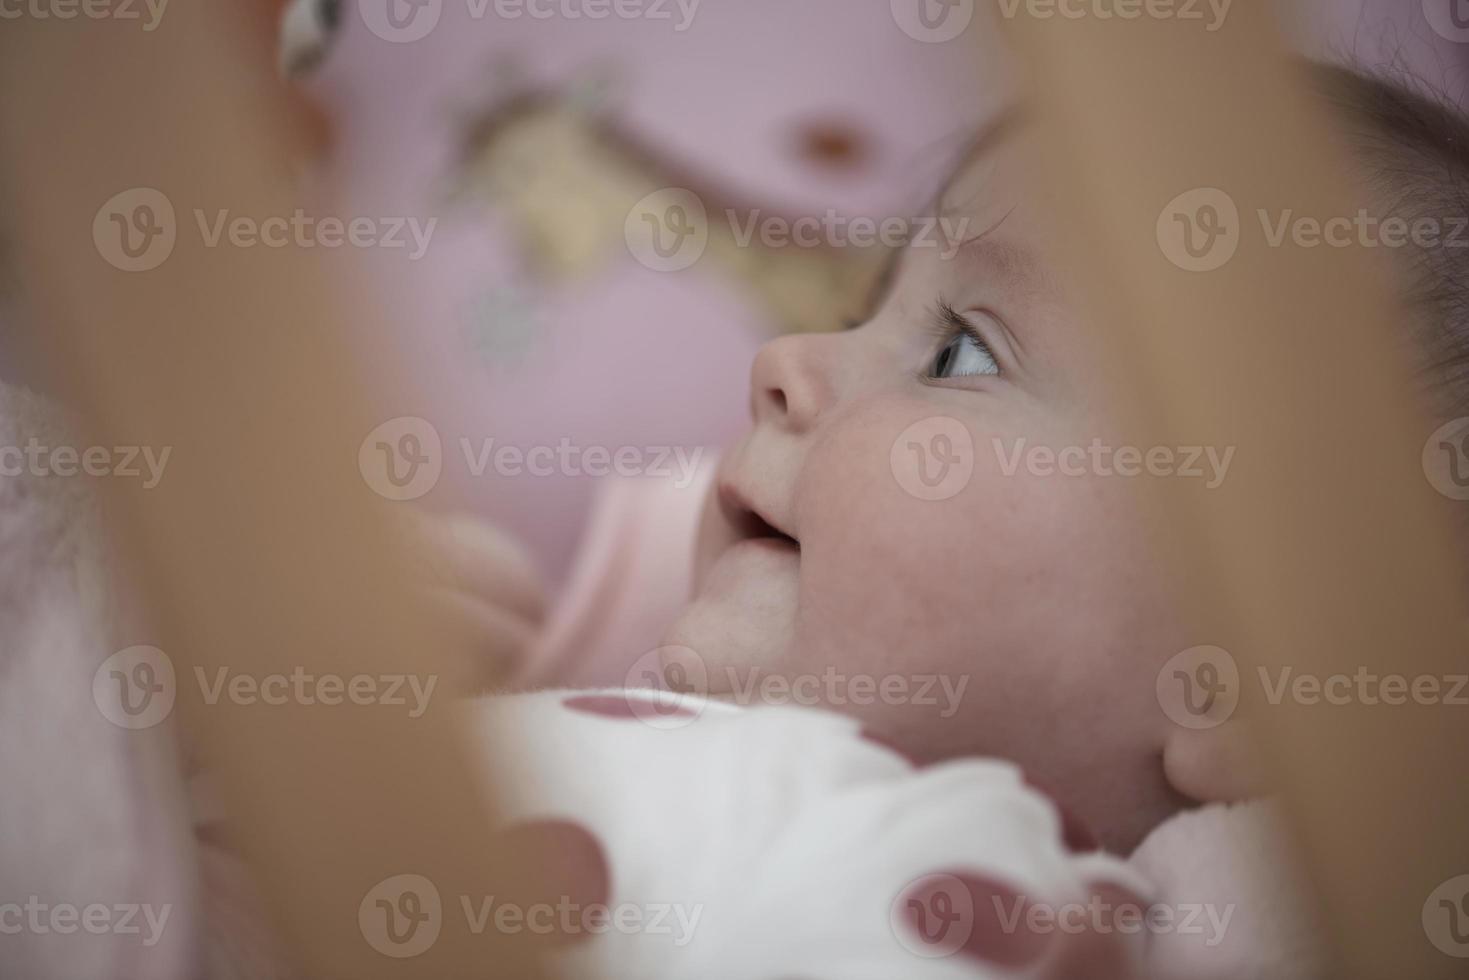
[(630, 356)]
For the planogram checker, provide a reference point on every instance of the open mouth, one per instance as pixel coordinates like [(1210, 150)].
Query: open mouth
[(750, 524)]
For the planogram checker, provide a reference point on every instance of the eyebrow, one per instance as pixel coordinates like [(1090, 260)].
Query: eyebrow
[(1012, 263), (1009, 261)]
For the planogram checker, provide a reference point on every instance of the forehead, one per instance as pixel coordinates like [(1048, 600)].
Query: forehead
[(985, 227), (989, 209), (989, 168)]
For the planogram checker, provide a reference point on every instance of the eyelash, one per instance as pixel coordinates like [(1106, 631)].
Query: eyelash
[(945, 323)]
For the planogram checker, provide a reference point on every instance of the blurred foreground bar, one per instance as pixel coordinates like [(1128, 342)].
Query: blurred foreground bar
[(1326, 549), (263, 550)]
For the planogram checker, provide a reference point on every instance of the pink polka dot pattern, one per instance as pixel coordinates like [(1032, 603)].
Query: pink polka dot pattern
[(1100, 953), (1120, 905), (615, 706), (570, 869), (987, 922)]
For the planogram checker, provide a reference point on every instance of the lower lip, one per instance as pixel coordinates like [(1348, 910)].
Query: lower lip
[(779, 545), (749, 557)]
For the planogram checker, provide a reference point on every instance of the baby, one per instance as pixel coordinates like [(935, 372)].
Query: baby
[(874, 523), (865, 528), (874, 520)]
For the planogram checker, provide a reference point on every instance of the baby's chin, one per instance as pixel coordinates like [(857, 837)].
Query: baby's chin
[(742, 616)]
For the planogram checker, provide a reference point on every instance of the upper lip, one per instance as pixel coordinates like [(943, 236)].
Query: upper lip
[(748, 520)]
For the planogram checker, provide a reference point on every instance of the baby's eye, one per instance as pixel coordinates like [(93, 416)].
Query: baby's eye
[(964, 355)]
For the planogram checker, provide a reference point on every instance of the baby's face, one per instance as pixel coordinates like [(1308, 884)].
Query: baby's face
[(826, 557)]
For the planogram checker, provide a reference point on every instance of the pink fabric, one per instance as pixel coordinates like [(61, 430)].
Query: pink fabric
[(628, 356), (631, 578)]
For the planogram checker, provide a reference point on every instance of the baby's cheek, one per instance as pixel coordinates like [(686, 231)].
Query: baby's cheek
[(929, 494), (983, 582), (913, 537)]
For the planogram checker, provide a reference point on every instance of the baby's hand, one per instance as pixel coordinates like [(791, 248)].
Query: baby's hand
[(482, 578)]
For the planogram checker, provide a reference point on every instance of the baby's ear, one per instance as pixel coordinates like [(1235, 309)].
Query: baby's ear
[(1214, 765)]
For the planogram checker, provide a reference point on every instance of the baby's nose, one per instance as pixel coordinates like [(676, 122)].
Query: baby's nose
[(790, 384)]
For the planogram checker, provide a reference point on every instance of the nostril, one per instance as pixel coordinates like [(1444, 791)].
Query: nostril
[(778, 399)]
